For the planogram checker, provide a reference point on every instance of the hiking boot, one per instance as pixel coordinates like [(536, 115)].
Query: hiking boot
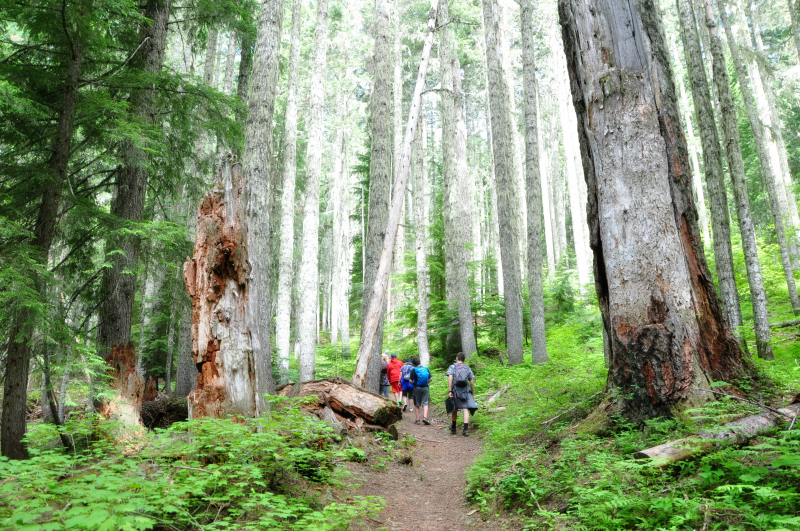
[(426, 421), (405, 406), (465, 433), (453, 429), (416, 421)]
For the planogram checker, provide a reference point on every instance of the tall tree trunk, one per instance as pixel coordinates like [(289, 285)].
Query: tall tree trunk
[(230, 61), (533, 189), (283, 319), (421, 202), (170, 352), (186, 371), (379, 182), (507, 193), (309, 268), (795, 27), (119, 284), (696, 179), (454, 178), (544, 170), (557, 189), (733, 151), (399, 266), (667, 331), (712, 163), (17, 366), (377, 297), (258, 189)]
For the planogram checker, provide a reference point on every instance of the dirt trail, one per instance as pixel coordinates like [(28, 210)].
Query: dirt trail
[(429, 493)]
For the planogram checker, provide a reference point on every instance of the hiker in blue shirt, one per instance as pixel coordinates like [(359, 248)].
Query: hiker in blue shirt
[(421, 377), (461, 383), (406, 384)]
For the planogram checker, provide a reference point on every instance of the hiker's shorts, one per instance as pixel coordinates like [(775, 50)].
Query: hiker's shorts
[(422, 396)]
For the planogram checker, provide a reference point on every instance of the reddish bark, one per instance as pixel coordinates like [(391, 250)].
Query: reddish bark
[(127, 405)]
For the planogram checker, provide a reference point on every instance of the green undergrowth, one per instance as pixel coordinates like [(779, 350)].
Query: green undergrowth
[(539, 471), (274, 473)]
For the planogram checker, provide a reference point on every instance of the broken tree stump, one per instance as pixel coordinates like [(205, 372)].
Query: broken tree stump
[(164, 413), (352, 405), (736, 432), (217, 279)]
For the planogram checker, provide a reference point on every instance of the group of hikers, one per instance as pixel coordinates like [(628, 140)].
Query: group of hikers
[(409, 384)]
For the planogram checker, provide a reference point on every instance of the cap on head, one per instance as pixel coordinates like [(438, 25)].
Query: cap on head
[(394, 355)]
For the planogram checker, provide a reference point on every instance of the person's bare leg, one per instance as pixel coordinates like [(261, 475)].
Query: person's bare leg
[(454, 419), (416, 411), (424, 412), (466, 423)]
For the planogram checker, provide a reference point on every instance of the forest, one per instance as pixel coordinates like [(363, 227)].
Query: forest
[(220, 218)]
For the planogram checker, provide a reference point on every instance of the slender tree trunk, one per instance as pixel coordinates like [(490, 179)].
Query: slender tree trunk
[(119, 284), (730, 133), (372, 317), (283, 319), (421, 201), (667, 332), (50, 400), (230, 62), (544, 171), (258, 187), (62, 393), (507, 193), (17, 360), (245, 69), (712, 163), (557, 189), (533, 189), (186, 371), (795, 27), (700, 198), (309, 268), (170, 352), (453, 176)]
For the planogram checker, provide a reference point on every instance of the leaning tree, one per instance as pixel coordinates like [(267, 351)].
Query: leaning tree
[(661, 312)]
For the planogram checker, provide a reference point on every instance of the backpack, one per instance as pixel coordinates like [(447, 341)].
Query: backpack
[(405, 381), (460, 375), (423, 375)]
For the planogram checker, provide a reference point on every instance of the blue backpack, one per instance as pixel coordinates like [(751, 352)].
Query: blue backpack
[(423, 375), (405, 382)]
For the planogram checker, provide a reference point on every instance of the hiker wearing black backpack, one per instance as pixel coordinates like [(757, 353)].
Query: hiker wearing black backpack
[(421, 377), (461, 383)]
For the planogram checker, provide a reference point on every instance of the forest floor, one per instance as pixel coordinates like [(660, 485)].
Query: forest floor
[(428, 493)]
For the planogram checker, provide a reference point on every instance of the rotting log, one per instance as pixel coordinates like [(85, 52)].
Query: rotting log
[(492, 399), (784, 323), (736, 432), (218, 280), (352, 405), (126, 404), (164, 413)]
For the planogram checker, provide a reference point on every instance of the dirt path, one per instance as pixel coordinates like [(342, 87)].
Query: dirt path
[(429, 493)]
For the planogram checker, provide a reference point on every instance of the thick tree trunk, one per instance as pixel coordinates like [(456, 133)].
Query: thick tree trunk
[(712, 163), (372, 317), (119, 284), (667, 330), (309, 268), (733, 151), (454, 179), (421, 202), (283, 319), (533, 188), (507, 190), (259, 186), (17, 360), (379, 181)]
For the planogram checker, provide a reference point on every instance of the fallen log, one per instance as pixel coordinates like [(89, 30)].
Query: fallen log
[(497, 395), (165, 412), (348, 402), (784, 323), (736, 432)]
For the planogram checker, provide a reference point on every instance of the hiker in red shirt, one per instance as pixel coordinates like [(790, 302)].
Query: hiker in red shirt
[(394, 372)]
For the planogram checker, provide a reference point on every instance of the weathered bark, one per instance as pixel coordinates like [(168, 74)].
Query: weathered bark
[(245, 67), (712, 163), (308, 278), (733, 151), (126, 403), (347, 400), (456, 223), (217, 278), (421, 202), (379, 181), (533, 189), (372, 317), (654, 289), (285, 274), (507, 190), (736, 432), (119, 283), (18, 353), (259, 186)]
